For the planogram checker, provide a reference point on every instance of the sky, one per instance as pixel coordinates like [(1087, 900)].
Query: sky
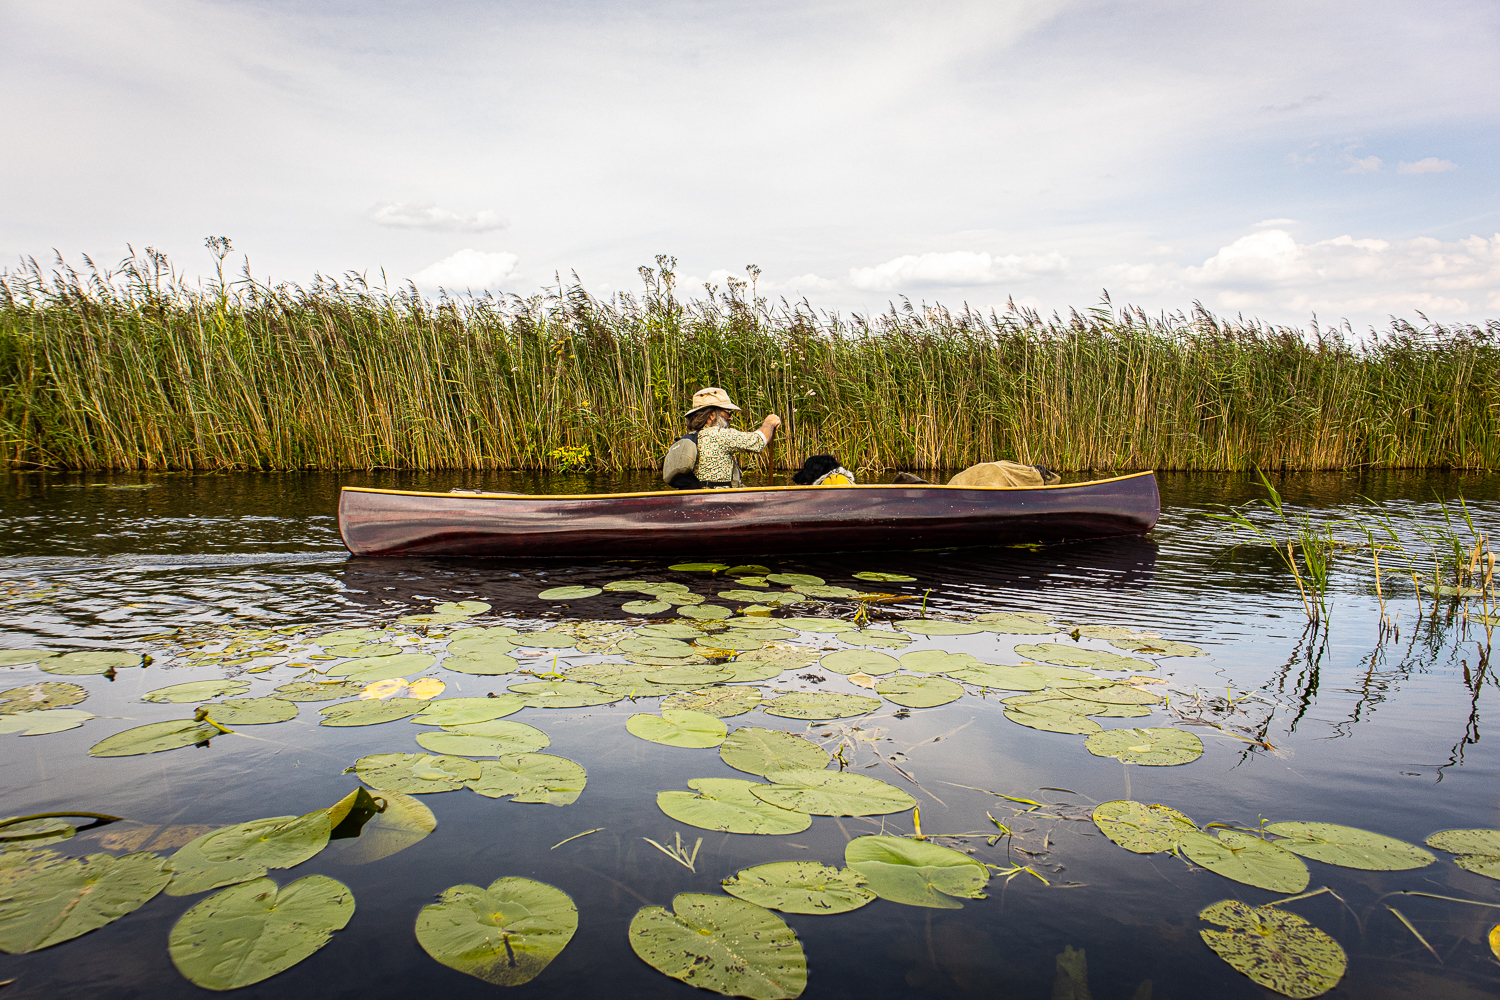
[(1287, 161)]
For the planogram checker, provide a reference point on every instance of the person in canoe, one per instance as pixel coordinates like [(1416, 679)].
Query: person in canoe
[(707, 456)]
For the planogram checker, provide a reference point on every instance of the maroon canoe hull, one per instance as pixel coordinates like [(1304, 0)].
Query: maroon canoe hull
[(713, 523)]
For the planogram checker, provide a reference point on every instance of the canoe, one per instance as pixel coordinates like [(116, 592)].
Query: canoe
[(749, 521)]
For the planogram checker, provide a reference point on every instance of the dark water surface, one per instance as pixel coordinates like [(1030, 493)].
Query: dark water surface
[(1380, 735)]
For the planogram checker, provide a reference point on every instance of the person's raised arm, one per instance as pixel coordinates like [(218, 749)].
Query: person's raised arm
[(768, 427)]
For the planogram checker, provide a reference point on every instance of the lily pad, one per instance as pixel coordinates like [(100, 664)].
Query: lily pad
[(762, 751), (1277, 950), (826, 591), (801, 887), (378, 668), (465, 608), (430, 620), (818, 624), (403, 822), (41, 696), (191, 691), (506, 934), (251, 711), (1349, 847), (692, 674), (721, 944), (370, 712), (250, 932), (832, 793), (919, 692), (49, 899), (481, 664), (1010, 623), (1478, 850), (568, 594), (347, 636), (193, 873), (1050, 719), (795, 579), (546, 640), (531, 777), (740, 595), (1142, 828), (819, 705), (481, 644), (1246, 858), (721, 701), (698, 567), (1110, 693), (44, 722), (318, 690), (1028, 677), (462, 711), (860, 661), (484, 739), (494, 632), (1079, 656), (658, 646), (732, 641), (747, 569), (678, 728), (937, 661), (784, 657), (875, 637), (1161, 747), (750, 671), (16, 657), (726, 805), (1057, 700), (873, 576), (563, 694), (1157, 647), (933, 626), (669, 630), (33, 834), (276, 841), (705, 612), (415, 773), (74, 664), (154, 737), (915, 872)]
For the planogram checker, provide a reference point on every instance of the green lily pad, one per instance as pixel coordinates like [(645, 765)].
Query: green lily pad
[(693, 674), (1350, 847), (1277, 950), (780, 656), (467, 609), (726, 805), (721, 701), (1157, 647), (485, 645), (747, 569), (44, 722), (191, 691), (154, 737), (762, 751), (819, 705), (546, 640), (625, 586), (49, 899), (481, 664), (1028, 677), (347, 636), (705, 612), (250, 932), (780, 599), (832, 793), (251, 711), (937, 661), (915, 872), (506, 934), (919, 692), (17, 657), (698, 567), (825, 591), (380, 668), (1017, 623), (484, 739), (1142, 828), (933, 626), (193, 873), (41, 696), (531, 777), (462, 711), (403, 822), (800, 887), (1058, 700), (364, 649), (415, 773), (75, 664), (721, 944), (818, 624), (669, 630), (568, 594), (794, 579), (563, 694), (1478, 850), (750, 671), (657, 646), (431, 619), (370, 712), (1051, 720), (678, 598), (873, 576), (1246, 858), (276, 841), (860, 661), (678, 728), (1110, 693), (33, 834), (493, 632), (1078, 656), (875, 637), (1162, 747), (319, 690), (740, 595), (732, 641)]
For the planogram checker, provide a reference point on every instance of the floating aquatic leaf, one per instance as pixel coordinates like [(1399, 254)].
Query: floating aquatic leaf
[(937, 661), (1051, 720), (44, 722), (732, 641), (545, 640), (698, 567), (250, 711), (658, 646), (740, 595), (493, 632), (705, 612), (1350, 847), (378, 668), (1246, 859), (195, 691), (692, 674), (625, 586), (762, 751), (424, 688), (819, 705), (461, 711), (531, 777), (1010, 623), (919, 692), (431, 619), (783, 657), (1142, 828), (276, 841), (721, 701), (49, 899), (932, 626), (818, 624), (1478, 850), (1078, 656), (193, 873), (678, 728), (365, 649), (678, 597), (721, 944), (915, 872), (1110, 693), (370, 713), (726, 805), (748, 569), (1161, 747), (563, 694), (346, 636), (872, 576), (155, 737), (749, 671), (465, 608), (415, 773), (319, 690), (481, 664), (825, 591), (16, 657), (801, 887), (1278, 950), (569, 593), (669, 630), (860, 661), (1027, 677), (34, 833), (250, 932), (41, 696), (832, 793), (784, 599), (90, 663), (403, 822), (1157, 647), (485, 645), (1057, 700), (1107, 632), (875, 637), (794, 579), (484, 739), (506, 934)]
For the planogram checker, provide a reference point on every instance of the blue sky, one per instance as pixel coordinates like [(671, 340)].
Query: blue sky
[(1279, 159)]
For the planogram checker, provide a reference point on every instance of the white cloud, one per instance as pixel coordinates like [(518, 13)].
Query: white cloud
[(959, 267), (427, 215), (468, 269), (1430, 165), (1368, 165)]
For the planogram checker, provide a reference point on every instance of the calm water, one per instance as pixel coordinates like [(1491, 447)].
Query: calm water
[(1384, 736)]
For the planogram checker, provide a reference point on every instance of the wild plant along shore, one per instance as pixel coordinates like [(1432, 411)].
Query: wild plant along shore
[(133, 369)]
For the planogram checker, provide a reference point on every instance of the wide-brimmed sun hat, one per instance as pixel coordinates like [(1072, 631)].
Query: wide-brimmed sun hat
[(712, 396)]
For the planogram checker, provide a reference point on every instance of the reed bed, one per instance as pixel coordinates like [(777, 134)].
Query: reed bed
[(129, 368)]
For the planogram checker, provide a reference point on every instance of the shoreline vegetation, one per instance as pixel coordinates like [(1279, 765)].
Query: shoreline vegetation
[(131, 368)]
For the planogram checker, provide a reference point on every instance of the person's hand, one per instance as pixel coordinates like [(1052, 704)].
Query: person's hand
[(772, 421)]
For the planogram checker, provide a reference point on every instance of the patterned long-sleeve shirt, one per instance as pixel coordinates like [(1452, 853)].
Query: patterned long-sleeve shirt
[(717, 447)]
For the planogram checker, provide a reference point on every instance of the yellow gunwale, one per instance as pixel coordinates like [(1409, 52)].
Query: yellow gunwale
[(743, 489)]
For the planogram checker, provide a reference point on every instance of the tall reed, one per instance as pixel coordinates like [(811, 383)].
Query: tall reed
[(131, 369)]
